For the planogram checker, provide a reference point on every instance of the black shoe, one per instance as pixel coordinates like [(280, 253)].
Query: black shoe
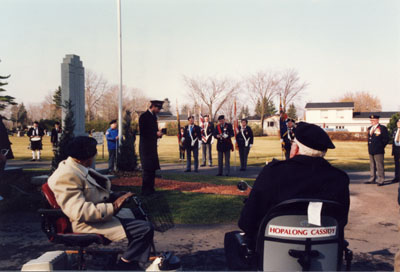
[(241, 169), (33, 160), (196, 171), (380, 184), (218, 175), (370, 182), (202, 165), (132, 266), (395, 181), (147, 193), (227, 175), (187, 170), (210, 165)]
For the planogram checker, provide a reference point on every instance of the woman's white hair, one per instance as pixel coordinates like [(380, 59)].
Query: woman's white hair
[(305, 150)]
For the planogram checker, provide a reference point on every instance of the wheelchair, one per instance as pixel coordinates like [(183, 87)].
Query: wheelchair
[(287, 242)]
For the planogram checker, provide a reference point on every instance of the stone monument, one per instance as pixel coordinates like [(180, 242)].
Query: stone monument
[(73, 89)]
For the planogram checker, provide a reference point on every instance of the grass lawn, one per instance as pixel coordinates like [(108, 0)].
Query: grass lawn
[(348, 155)]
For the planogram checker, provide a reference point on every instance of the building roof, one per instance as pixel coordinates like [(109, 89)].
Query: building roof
[(382, 114), (330, 105)]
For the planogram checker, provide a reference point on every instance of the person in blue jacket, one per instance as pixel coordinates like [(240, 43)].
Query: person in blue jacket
[(112, 141)]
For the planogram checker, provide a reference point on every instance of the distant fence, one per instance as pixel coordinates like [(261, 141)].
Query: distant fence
[(348, 136)]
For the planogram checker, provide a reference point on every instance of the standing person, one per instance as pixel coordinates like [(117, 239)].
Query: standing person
[(191, 141), (5, 146), (35, 134), (223, 133), (55, 135), (378, 138), (112, 142), (149, 134), (207, 130), (288, 136), (245, 139), (396, 152), (181, 146)]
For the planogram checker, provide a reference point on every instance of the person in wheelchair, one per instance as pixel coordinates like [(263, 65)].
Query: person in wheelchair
[(305, 175), (85, 197)]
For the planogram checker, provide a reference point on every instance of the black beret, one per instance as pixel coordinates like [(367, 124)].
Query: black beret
[(113, 122), (190, 117), (244, 119), (290, 120), (157, 103), (374, 116), (206, 116), (82, 147), (313, 136), (221, 117)]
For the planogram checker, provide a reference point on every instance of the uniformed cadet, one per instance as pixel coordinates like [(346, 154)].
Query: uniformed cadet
[(396, 152), (244, 139), (191, 141), (288, 136), (305, 175), (181, 146), (223, 133), (207, 130), (149, 134), (35, 135), (378, 138)]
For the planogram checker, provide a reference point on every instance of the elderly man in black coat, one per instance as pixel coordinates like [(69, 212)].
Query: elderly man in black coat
[(396, 152), (149, 134), (223, 132), (305, 175)]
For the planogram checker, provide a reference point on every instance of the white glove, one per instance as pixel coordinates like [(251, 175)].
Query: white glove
[(250, 145), (225, 136), (183, 139), (200, 144), (281, 140)]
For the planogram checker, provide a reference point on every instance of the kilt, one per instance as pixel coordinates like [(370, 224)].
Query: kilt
[(36, 145)]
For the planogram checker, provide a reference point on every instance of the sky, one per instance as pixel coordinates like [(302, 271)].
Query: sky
[(335, 45)]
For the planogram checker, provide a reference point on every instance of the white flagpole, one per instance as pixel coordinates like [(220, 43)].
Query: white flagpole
[(120, 75)]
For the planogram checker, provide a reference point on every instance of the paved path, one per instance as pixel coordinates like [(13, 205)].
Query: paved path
[(251, 172)]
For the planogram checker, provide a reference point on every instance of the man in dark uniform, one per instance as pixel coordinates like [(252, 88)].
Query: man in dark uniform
[(305, 175), (378, 138), (396, 152), (149, 134), (181, 146), (191, 140), (207, 130), (5, 146), (55, 136), (244, 139), (288, 136), (223, 133)]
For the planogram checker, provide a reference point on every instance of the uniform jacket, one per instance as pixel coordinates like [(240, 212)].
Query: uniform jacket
[(395, 149), (4, 141), (31, 132), (111, 135), (299, 177), (148, 141), (196, 135), (224, 144), (248, 133), (54, 135), (288, 137), (207, 133), (378, 140), (83, 200)]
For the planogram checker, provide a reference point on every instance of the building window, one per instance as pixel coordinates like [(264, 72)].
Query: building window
[(270, 124), (324, 114), (339, 127), (339, 114)]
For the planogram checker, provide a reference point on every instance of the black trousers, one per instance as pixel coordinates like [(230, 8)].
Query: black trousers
[(148, 181), (221, 155), (243, 155), (140, 236), (181, 153), (195, 151), (397, 167), (206, 148), (111, 159)]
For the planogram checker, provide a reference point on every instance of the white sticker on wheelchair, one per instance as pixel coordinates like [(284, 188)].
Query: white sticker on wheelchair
[(294, 232), (314, 213)]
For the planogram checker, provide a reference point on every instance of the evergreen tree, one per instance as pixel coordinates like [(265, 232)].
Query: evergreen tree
[(61, 153), (269, 108), (57, 98), (22, 116), (393, 125), (244, 112), (292, 112), (5, 100), (126, 160)]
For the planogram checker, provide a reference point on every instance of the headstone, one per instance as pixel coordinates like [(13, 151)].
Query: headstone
[(73, 89)]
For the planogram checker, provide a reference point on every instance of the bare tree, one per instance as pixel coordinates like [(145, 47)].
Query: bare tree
[(363, 101), (228, 109), (262, 86), (95, 87), (290, 87), (109, 103), (212, 92)]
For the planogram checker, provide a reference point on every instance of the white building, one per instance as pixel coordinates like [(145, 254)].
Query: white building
[(340, 116)]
